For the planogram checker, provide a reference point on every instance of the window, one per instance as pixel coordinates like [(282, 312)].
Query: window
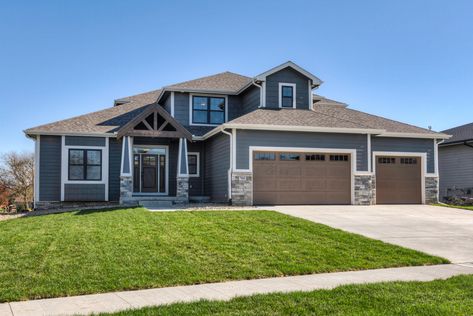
[(338, 157), (315, 157), (287, 93), (208, 110), (409, 161), (265, 156), (386, 160), (85, 164), (193, 164), (289, 156)]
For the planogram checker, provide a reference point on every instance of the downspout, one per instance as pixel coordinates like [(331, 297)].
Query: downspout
[(229, 176), (260, 93)]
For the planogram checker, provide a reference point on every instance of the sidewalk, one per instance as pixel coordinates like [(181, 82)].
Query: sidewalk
[(117, 301)]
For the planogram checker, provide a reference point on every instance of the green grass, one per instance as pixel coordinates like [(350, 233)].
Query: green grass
[(470, 208), (101, 251), (442, 297)]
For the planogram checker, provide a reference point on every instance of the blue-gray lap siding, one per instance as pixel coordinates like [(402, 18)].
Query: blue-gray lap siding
[(246, 138), (455, 168), (250, 100), (84, 192), (84, 141), (287, 75), (50, 168), (196, 184), (115, 154), (396, 144), (216, 165)]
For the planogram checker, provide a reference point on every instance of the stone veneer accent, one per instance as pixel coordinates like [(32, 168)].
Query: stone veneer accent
[(56, 205), (365, 190), (242, 188), (182, 190), (126, 189), (431, 190)]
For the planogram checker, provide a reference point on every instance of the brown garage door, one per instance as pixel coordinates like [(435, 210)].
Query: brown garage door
[(301, 178), (398, 180)]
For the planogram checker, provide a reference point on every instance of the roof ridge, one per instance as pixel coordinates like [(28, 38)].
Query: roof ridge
[(456, 127), (205, 77)]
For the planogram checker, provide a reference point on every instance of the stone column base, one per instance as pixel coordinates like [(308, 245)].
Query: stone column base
[(431, 190), (365, 190), (242, 188), (182, 190), (126, 190)]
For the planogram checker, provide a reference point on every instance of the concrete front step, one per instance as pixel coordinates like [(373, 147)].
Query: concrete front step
[(154, 204)]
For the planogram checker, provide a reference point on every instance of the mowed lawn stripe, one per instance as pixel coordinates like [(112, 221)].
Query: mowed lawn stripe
[(100, 251)]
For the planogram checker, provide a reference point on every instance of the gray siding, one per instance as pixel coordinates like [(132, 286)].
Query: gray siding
[(245, 139), (173, 155), (406, 145), (181, 107), (196, 184), (84, 192), (250, 100), (50, 168), (84, 141), (287, 75), (455, 168), (234, 107), (217, 163), (115, 154), (167, 103)]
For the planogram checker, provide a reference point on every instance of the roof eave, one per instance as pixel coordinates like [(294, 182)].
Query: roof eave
[(68, 133), (416, 135), (315, 80), (292, 128)]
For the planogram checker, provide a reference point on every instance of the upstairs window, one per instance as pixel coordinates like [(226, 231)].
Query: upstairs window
[(85, 164), (287, 97), (208, 110)]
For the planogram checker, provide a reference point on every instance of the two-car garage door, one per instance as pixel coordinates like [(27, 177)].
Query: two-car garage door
[(301, 178)]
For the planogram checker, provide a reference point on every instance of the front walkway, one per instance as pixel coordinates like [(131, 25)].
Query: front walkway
[(111, 302)]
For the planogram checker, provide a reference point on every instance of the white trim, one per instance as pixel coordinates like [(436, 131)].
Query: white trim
[(415, 135), (260, 93), (311, 98), (315, 79), (191, 95), (292, 128), (182, 142), (423, 161), (37, 148), (172, 103), (65, 165), (68, 133), (436, 157), (126, 139), (351, 152), (166, 151), (285, 84), (368, 152), (233, 143), (230, 168), (198, 164), (263, 95)]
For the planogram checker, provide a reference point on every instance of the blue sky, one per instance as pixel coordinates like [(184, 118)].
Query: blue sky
[(407, 60)]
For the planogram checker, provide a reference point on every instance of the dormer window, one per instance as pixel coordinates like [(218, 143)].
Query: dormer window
[(287, 98), (208, 110)]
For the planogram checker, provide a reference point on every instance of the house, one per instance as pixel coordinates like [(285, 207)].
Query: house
[(266, 139), (456, 163)]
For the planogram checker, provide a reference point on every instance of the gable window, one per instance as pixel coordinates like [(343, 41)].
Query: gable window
[(208, 110), (193, 161), (85, 164), (287, 98)]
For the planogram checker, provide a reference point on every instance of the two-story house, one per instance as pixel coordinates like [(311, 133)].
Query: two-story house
[(266, 139)]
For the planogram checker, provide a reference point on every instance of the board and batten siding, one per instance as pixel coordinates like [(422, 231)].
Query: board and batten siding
[(216, 165), (287, 75), (455, 168), (397, 144), (247, 138), (50, 168)]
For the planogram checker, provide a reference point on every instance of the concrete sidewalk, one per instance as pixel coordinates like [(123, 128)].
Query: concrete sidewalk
[(117, 301)]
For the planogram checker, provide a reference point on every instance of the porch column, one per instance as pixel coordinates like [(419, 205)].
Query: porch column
[(126, 177), (182, 190)]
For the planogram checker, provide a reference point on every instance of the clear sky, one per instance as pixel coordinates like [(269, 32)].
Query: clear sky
[(407, 60)]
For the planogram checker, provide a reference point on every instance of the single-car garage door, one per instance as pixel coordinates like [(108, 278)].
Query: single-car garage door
[(301, 178), (398, 180)]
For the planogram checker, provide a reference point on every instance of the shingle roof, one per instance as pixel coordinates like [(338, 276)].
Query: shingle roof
[(225, 82), (104, 121), (459, 134)]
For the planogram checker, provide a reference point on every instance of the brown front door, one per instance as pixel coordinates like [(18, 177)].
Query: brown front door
[(301, 178), (149, 176), (398, 180)]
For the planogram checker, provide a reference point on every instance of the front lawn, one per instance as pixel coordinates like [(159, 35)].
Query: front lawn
[(442, 297), (101, 251), (463, 207)]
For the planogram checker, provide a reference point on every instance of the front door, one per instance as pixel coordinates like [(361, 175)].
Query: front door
[(149, 173)]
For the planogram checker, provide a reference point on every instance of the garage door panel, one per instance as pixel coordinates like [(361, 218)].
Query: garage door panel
[(286, 170), (314, 184), (337, 185), (314, 170), (289, 184), (265, 186)]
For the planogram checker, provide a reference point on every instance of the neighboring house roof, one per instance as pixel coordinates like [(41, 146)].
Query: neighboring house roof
[(225, 82), (459, 134)]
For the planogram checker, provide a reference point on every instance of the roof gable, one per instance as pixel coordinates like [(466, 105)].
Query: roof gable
[(315, 80)]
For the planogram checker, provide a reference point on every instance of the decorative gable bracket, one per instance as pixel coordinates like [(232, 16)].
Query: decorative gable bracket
[(154, 121)]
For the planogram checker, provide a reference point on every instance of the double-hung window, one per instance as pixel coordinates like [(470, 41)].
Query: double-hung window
[(287, 98), (208, 110), (85, 164)]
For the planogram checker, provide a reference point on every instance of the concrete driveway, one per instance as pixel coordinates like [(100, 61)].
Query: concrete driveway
[(440, 231)]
